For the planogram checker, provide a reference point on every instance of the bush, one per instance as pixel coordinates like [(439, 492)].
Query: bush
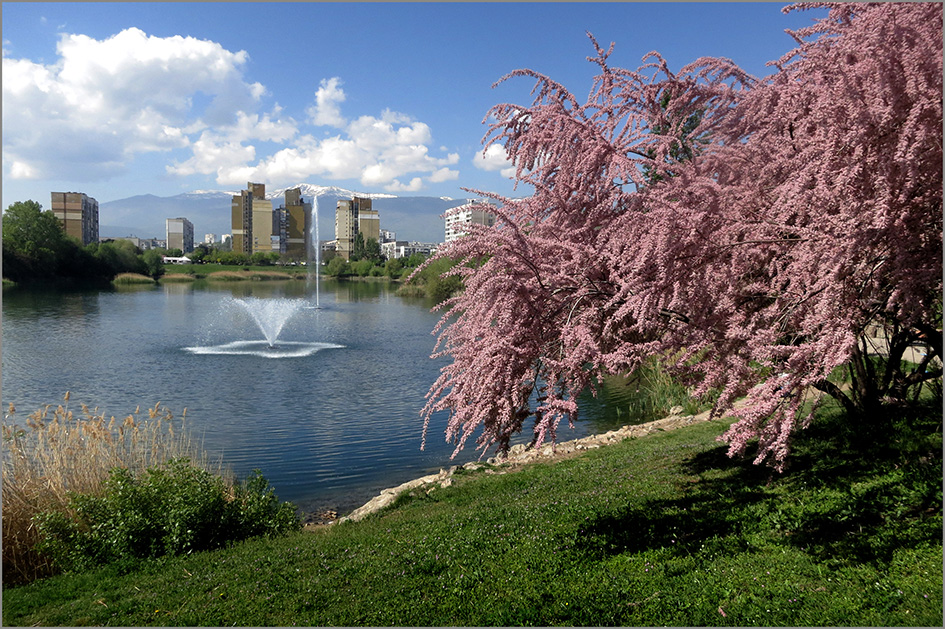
[(362, 268), (179, 509), (59, 453), (337, 267)]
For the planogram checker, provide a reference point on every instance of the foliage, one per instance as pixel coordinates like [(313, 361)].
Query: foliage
[(35, 247), (362, 267), (372, 251), (662, 530), (437, 277), (232, 258), (807, 213), (29, 230), (264, 258), (59, 451), (173, 510), (337, 267), (394, 268), (153, 262), (119, 256)]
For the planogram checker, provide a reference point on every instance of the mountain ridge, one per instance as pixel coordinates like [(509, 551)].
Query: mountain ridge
[(415, 218)]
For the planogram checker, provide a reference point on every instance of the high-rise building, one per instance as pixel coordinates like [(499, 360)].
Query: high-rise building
[(352, 218), (78, 213), (245, 207), (472, 213), (257, 227), (296, 223), (180, 234)]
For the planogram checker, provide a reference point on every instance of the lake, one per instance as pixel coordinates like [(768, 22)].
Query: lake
[(330, 423)]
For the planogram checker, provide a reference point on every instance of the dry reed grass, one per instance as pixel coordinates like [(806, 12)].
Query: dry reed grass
[(177, 277), (227, 276), (60, 451), (132, 278), (233, 276)]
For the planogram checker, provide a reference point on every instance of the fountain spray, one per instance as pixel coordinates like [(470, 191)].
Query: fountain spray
[(317, 244)]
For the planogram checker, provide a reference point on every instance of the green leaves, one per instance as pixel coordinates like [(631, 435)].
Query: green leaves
[(175, 510)]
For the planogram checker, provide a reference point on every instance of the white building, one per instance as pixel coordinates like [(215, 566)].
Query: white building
[(209, 239), (472, 213), (405, 249)]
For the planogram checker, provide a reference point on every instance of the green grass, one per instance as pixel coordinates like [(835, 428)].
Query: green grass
[(661, 530), (203, 270)]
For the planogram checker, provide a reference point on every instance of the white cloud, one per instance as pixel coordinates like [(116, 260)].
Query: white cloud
[(444, 174), (377, 151), (118, 97), (494, 158), (102, 102), (327, 108)]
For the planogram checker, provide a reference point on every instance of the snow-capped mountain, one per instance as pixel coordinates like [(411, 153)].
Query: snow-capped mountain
[(411, 218), (311, 190)]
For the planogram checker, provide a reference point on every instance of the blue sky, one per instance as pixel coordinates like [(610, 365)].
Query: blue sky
[(119, 99)]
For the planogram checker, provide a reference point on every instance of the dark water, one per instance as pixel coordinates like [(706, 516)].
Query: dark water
[(329, 425)]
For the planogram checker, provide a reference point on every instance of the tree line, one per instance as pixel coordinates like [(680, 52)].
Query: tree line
[(37, 249)]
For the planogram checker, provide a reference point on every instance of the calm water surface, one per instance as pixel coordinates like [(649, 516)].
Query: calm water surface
[(328, 428)]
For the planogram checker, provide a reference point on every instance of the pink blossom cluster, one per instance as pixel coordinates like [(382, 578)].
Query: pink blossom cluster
[(746, 231)]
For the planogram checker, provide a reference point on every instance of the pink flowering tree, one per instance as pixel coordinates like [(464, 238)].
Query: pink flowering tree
[(753, 234)]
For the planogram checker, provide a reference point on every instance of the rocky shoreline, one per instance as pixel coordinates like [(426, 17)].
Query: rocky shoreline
[(517, 456)]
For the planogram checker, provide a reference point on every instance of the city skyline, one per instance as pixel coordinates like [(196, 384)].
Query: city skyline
[(118, 100)]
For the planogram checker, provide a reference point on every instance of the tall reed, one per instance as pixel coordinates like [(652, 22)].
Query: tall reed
[(59, 452)]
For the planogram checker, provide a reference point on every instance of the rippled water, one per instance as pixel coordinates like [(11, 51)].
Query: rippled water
[(329, 413)]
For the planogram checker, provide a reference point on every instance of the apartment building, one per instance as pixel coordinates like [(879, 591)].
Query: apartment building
[(246, 208), (354, 217), (180, 234), (258, 227), (472, 213), (78, 213), (295, 225)]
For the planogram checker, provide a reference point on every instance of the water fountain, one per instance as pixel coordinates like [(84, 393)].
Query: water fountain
[(315, 239), (270, 317)]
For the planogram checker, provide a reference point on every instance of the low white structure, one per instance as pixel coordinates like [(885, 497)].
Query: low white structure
[(175, 260)]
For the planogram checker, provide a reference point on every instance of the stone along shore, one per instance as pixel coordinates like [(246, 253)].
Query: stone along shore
[(521, 454)]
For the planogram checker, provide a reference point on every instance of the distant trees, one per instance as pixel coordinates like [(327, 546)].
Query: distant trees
[(153, 262), (118, 256), (750, 233), (36, 249), (368, 249)]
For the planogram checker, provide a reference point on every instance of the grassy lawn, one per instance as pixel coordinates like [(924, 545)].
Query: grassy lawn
[(203, 270), (661, 530)]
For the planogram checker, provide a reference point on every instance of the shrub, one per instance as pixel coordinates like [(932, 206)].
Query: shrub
[(59, 454), (178, 509)]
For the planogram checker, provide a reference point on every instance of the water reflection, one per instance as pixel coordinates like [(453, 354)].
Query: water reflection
[(329, 427)]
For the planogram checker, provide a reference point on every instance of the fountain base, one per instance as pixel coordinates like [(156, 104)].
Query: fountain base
[(263, 349)]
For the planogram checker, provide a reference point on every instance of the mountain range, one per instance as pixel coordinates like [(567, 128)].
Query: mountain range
[(411, 218)]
